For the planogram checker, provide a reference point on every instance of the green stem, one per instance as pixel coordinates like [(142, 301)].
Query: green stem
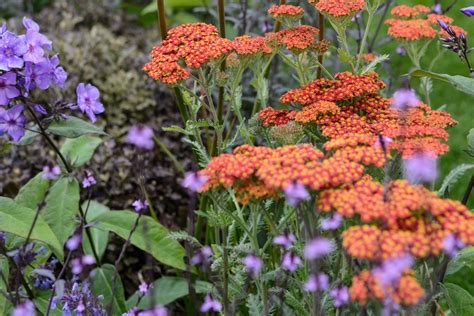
[(371, 11)]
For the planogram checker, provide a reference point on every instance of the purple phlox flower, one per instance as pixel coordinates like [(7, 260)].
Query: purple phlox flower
[(144, 287), (141, 136), (88, 180), (319, 282), (317, 248), (43, 74), (8, 89), (383, 142), (12, 122), (80, 307), (36, 43), (88, 100), (437, 8), (420, 167), (332, 222), (158, 310), (194, 181), (134, 311), (78, 264), (12, 49), (253, 264), (210, 305), (202, 256), (58, 73), (452, 244), (389, 273), (400, 50), (30, 25), (51, 172), (139, 205), (296, 193), (290, 261), (27, 308), (469, 11), (73, 242), (340, 296), (40, 109), (285, 240), (404, 99)]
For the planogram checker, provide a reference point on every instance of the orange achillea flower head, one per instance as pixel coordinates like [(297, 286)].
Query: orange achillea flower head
[(258, 172), (296, 39), (314, 111), (246, 45), (270, 116), (410, 30), (433, 18), (406, 219), (365, 286), (405, 11), (196, 44), (338, 8), (345, 86), (286, 11)]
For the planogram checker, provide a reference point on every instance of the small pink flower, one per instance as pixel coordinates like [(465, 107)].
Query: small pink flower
[(420, 167), (210, 305), (404, 99), (144, 287), (317, 283), (194, 181), (317, 248), (286, 240), (141, 136), (253, 264), (332, 222), (73, 242), (340, 296), (51, 172), (140, 205), (296, 193), (290, 261)]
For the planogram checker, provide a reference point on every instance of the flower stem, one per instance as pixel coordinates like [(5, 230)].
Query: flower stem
[(321, 38)]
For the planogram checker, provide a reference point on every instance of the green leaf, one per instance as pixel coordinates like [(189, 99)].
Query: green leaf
[(99, 237), (164, 249), (42, 301), (167, 290), (459, 300), (453, 177), (74, 127), (33, 192), (101, 284), (78, 151), (470, 138), (5, 148), (461, 269), (463, 84), (4, 267), (17, 219), (62, 205)]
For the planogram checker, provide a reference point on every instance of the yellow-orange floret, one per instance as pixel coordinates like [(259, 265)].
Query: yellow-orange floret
[(313, 112), (365, 286), (362, 241), (345, 86), (270, 116), (338, 8), (246, 45), (296, 39), (286, 11)]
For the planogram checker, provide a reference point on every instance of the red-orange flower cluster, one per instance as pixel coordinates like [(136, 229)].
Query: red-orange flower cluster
[(403, 219), (263, 172), (286, 11), (345, 86), (338, 8), (414, 23), (296, 39), (248, 46), (196, 44), (365, 287)]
